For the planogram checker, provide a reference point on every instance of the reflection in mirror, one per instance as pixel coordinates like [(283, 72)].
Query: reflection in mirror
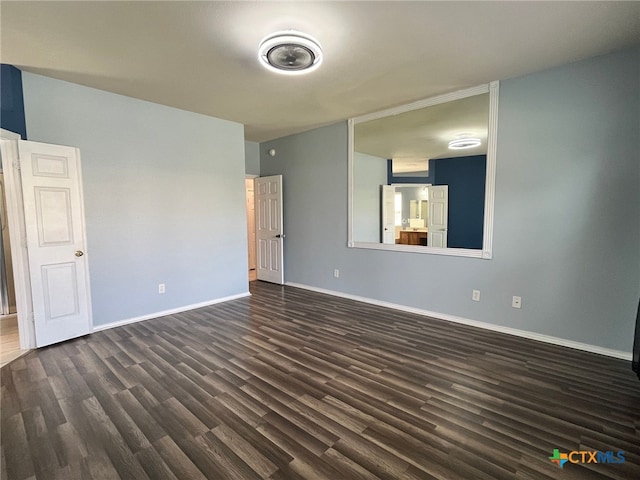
[(411, 214), (422, 175)]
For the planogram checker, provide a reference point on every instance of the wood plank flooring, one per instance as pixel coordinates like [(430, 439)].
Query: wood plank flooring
[(9, 339), (291, 384)]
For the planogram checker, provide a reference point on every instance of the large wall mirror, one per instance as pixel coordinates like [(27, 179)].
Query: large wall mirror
[(421, 176)]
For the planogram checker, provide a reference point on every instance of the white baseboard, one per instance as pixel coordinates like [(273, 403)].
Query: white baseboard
[(609, 352), (164, 313)]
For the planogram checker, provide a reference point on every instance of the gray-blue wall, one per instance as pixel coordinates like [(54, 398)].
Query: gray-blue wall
[(252, 158), (567, 215), (164, 197)]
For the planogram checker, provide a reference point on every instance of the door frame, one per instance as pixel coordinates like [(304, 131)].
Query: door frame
[(17, 235)]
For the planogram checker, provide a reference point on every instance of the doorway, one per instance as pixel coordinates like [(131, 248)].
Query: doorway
[(251, 227), (9, 333)]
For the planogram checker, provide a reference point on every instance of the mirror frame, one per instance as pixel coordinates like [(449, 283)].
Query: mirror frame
[(489, 199)]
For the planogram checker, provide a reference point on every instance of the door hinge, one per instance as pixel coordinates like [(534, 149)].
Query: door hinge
[(16, 164)]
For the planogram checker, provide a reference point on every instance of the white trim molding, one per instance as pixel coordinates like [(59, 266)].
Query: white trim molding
[(164, 313), (609, 352)]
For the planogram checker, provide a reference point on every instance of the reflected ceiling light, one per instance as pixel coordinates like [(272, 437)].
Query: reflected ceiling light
[(464, 142), (290, 52)]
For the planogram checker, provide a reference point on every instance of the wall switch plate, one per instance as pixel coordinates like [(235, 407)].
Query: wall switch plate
[(336, 273), (516, 302), (475, 296), (161, 288)]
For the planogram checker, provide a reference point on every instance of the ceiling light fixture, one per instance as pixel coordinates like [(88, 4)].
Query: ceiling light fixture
[(464, 142), (290, 52)]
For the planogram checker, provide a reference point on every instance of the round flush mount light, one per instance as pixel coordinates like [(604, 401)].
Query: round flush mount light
[(290, 52), (464, 142)]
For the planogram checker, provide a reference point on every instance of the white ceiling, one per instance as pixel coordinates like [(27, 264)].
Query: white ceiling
[(202, 56), (425, 132)]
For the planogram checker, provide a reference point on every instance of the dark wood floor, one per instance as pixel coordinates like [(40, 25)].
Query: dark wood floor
[(290, 384)]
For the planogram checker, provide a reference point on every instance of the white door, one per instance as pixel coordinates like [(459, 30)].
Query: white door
[(268, 195), (56, 243), (438, 216), (388, 198)]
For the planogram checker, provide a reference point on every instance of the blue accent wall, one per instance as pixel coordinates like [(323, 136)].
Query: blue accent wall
[(11, 100), (466, 179)]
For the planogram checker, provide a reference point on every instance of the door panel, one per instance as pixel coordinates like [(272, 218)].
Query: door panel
[(274, 255), (60, 290), (269, 225), (54, 218)]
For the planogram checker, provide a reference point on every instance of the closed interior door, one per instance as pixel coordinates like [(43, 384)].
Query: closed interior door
[(438, 216), (270, 234), (55, 231), (388, 233)]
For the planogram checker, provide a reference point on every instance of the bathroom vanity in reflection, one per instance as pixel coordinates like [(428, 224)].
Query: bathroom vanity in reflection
[(413, 237)]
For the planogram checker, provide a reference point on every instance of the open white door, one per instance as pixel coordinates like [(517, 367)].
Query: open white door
[(438, 216), (388, 233), (56, 243), (268, 195)]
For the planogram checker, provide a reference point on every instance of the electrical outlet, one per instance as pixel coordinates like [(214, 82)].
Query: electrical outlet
[(516, 302), (475, 296), (336, 273), (161, 288)]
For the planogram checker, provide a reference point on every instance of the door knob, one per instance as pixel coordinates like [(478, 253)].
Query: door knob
[(79, 253), (280, 235)]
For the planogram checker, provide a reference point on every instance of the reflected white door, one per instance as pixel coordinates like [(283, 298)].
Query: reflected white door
[(56, 242), (438, 216), (268, 195), (388, 233)]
